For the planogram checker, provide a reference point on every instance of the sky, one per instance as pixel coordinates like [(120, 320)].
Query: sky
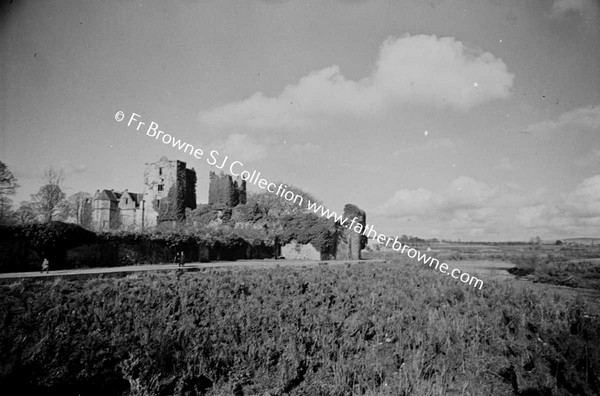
[(456, 119)]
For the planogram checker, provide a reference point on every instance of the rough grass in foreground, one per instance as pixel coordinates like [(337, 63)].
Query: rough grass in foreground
[(331, 330)]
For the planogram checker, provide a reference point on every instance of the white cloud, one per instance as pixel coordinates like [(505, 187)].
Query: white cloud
[(441, 72), (466, 193), (585, 200), (584, 118), (240, 148), (465, 197), (471, 207), (408, 203), (528, 216), (516, 197), (578, 213), (467, 207)]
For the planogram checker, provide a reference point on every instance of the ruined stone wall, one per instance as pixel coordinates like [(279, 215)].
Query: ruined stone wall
[(349, 241), (219, 189), (240, 186), (299, 251), (169, 188), (172, 207), (190, 189), (159, 177), (223, 190)]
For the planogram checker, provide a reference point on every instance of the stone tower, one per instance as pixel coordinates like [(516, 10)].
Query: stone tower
[(350, 243), (223, 190), (169, 188)]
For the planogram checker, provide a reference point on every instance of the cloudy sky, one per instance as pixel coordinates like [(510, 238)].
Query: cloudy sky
[(467, 119)]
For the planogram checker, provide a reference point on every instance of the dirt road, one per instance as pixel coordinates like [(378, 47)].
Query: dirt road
[(188, 266)]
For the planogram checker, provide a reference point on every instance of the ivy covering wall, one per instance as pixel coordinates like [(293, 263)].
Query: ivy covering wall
[(190, 188), (351, 211), (71, 246)]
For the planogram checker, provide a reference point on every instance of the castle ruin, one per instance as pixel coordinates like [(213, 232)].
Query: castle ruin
[(169, 188), (223, 190), (350, 243)]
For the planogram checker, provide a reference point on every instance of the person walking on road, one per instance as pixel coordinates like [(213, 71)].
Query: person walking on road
[(181, 259), (45, 266)]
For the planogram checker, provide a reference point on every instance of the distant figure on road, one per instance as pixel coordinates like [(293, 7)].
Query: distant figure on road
[(181, 259), (45, 266), (176, 259)]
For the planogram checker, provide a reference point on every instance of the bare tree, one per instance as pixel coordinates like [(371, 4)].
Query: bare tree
[(8, 186), (6, 213), (8, 183), (25, 214), (49, 201)]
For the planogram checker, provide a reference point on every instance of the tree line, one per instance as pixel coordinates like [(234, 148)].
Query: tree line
[(49, 203)]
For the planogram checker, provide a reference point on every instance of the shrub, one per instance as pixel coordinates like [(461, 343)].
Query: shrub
[(309, 228), (327, 330), (22, 244)]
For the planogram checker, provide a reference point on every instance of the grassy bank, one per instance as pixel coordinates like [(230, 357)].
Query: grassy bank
[(566, 266), (387, 329)]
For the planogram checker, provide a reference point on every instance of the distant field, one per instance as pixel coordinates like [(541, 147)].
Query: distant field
[(363, 329), (566, 265), (583, 241)]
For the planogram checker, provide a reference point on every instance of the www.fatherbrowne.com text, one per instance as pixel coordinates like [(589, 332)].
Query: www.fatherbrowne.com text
[(236, 168)]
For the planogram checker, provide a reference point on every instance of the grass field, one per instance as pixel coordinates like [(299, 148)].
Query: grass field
[(573, 265), (386, 329)]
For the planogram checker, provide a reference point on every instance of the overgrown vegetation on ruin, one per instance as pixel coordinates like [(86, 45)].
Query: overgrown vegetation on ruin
[(70, 246), (171, 208), (268, 218), (309, 228), (389, 329)]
